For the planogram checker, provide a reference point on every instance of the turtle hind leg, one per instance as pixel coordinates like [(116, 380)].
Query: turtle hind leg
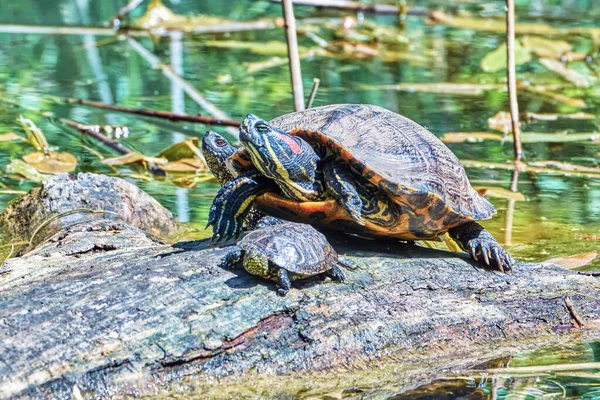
[(284, 284), (339, 184), (481, 245), (335, 273)]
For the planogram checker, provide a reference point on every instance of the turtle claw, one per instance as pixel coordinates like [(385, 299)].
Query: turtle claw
[(492, 253), (473, 252), (482, 246)]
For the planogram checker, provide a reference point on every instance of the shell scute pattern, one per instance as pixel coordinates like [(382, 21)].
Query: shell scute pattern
[(404, 156), (297, 248)]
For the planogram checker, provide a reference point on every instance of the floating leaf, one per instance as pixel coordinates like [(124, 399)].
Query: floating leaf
[(496, 60), (51, 163), (25, 170), (467, 89), (133, 157), (558, 97), (189, 181), (575, 261), (461, 137), (499, 26), (272, 62), (186, 149), (529, 116), (500, 192), (546, 48), (353, 49), (157, 14), (563, 166), (272, 47), (10, 136), (500, 122), (160, 17), (185, 165), (526, 137), (34, 134), (569, 74), (591, 237), (529, 168)]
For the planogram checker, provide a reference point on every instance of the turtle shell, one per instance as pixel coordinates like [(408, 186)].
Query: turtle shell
[(393, 152), (422, 176), (297, 248)]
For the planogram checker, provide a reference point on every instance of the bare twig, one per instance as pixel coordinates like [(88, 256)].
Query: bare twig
[(512, 79), (157, 114), (292, 44), (510, 209), (95, 132), (226, 27), (358, 6), (574, 314), (525, 167), (65, 30), (313, 92), (541, 368), (191, 91), (126, 9)]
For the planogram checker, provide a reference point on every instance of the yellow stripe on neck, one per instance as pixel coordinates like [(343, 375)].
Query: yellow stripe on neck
[(283, 177)]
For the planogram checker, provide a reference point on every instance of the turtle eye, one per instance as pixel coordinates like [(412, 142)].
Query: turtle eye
[(220, 142), (261, 127)]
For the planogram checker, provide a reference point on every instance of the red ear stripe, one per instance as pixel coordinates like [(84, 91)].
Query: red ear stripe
[(292, 143)]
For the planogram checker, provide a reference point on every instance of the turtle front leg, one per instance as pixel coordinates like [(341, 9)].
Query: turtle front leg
[(339, 184), (475, 240), (234, 201), (233, 259)]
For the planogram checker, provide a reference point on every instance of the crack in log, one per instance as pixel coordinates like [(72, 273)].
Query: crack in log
[(242, 341)]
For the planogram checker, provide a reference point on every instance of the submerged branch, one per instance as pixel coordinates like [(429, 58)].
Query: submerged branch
[(187, 87), (225, 27), (358, 6), (95, 132), (126, 9), (157, 114)]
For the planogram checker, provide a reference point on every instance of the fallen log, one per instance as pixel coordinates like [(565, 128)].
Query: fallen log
[(146, 319)]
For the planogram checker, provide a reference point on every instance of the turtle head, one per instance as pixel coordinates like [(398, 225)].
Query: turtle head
[(216, 150), (289, 160)]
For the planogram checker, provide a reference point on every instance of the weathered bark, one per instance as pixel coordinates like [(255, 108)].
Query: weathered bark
[(67, 192), (142, 320)]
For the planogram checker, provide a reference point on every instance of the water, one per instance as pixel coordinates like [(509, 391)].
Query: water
[(561, 214)]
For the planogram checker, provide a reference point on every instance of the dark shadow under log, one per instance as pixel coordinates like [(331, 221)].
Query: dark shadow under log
[(143, 319)]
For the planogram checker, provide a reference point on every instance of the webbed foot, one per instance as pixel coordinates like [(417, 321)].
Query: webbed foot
[(481, 245)]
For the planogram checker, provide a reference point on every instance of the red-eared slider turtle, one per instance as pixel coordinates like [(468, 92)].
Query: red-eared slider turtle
[(355, 168), (285, 252)]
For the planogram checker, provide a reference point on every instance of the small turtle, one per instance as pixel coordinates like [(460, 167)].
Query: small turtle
[(355, 168), (285, 252)]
